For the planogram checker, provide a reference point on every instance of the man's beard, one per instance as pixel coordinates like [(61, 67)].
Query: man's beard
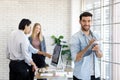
[(84, 29)]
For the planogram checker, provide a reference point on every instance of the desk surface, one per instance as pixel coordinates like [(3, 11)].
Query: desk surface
[(55, 75), (50, 77)]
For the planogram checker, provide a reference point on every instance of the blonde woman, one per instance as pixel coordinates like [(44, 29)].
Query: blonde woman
[(38, 42)]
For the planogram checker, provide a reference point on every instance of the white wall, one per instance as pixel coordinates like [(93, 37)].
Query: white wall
[(75, 12), (54, 16)]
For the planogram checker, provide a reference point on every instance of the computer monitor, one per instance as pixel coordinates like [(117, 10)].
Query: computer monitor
[(56, 57)]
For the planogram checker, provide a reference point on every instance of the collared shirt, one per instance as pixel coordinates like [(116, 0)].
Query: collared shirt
[(19, 47), (82, 69)]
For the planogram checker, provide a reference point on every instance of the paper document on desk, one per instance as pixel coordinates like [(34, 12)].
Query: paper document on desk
[(46, 74), (60, 74)]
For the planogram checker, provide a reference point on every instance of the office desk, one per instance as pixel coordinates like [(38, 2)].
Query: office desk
[(55, 75), (51, 76)]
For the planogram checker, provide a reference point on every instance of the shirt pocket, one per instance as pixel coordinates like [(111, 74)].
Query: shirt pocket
[(83, 45)]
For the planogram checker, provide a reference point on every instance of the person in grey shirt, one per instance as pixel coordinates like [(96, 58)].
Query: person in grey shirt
[(19, 51), (85, 51)]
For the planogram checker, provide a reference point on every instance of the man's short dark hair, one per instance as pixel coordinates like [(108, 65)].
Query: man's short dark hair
[(85, 14), (23, 23)]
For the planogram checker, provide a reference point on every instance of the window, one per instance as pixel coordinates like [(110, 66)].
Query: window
[(106, 22), (102, 25)]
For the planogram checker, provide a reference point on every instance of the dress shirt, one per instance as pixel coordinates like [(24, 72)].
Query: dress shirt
[(19, 47), (82, 69)]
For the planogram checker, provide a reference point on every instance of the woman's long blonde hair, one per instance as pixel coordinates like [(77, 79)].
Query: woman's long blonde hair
[(39, 34)]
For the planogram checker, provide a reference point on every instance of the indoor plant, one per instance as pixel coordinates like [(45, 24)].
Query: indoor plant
[(65, 47)]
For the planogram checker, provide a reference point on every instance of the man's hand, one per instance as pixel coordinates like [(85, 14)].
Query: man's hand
[(96, 48), (98, 52), (34, 68)]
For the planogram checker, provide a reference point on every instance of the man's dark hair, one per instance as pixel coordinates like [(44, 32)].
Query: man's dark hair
[(85, 14), (23, 23)]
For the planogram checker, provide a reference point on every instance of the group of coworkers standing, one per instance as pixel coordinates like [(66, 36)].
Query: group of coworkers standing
[(26, 54)]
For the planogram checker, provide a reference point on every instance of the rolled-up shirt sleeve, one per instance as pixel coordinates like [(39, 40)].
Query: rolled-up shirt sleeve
[(74, 47)]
